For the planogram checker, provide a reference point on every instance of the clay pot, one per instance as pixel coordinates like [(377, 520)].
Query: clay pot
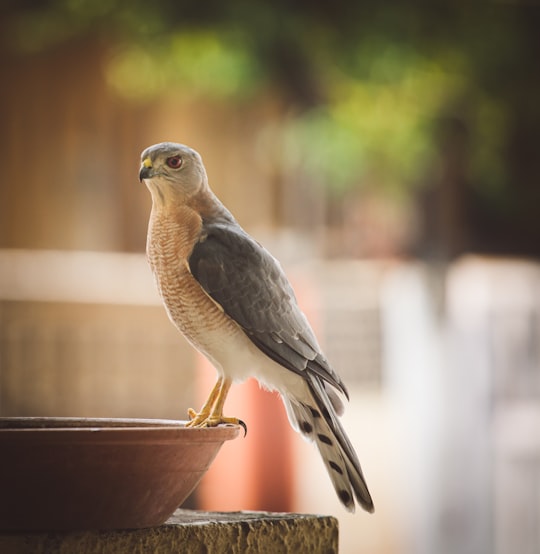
[(82, 474)]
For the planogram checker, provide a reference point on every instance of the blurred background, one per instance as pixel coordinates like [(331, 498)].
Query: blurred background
[(387, 154)]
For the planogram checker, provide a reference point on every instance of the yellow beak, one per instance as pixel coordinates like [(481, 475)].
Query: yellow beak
[(146, 165)]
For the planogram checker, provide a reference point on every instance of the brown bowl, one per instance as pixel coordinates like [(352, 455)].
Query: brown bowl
[(82, 474)]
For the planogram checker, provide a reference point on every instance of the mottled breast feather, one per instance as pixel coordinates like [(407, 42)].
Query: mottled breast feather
[(170, 241)]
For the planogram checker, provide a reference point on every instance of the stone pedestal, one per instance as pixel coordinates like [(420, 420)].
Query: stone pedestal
[(193, 532)]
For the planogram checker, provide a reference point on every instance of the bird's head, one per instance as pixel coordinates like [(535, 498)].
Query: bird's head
[(171, 170)]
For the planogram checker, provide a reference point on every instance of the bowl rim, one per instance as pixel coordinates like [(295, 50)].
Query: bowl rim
[(54, 425)]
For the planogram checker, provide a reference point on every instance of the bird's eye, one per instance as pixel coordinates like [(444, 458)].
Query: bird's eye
[(174, 162)]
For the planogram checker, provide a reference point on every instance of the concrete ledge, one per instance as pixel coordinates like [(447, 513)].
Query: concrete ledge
[(193, 532)]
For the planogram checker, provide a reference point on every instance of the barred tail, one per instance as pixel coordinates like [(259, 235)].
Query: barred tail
[(315, 417)]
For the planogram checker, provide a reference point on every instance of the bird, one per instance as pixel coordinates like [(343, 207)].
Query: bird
[(232, 301)]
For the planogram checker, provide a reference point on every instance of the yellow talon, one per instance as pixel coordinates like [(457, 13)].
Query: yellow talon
[(211, 414)]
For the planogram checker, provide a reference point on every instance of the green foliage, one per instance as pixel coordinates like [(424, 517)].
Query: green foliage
[(367, 83), (376, 129), (197, 62)]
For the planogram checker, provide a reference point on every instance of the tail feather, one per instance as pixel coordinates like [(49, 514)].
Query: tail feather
[(315, 417)]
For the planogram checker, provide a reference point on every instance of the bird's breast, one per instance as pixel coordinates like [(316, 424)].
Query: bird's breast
[(171, 238)]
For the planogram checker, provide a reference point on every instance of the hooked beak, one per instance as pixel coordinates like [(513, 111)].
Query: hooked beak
[(146, 169)]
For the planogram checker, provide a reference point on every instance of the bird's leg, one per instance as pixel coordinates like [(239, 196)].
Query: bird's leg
[(197, 418), (216, 415), (211, 413)]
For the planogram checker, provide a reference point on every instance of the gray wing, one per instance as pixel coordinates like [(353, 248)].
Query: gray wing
[(249, 284)]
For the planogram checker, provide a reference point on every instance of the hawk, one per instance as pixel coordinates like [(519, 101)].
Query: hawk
[(232, 301)]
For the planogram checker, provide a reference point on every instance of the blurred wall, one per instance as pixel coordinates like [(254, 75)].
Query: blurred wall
[(462, 375), (71, 153), (84, 334)]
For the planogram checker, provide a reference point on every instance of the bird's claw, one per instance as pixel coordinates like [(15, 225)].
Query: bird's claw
[(243, 425), (203, 420)]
